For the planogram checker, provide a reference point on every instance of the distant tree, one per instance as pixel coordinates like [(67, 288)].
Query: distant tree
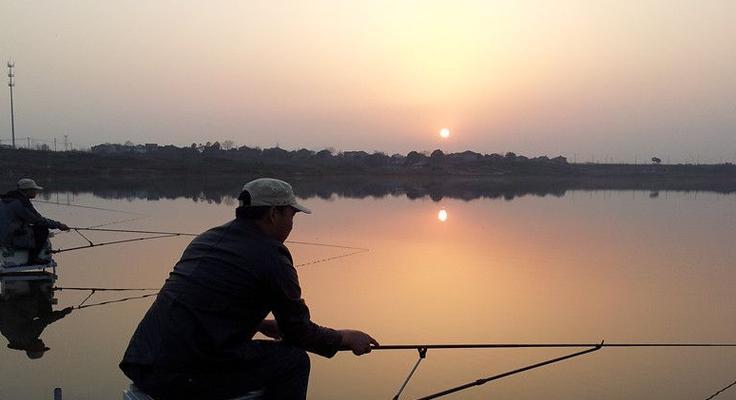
[(324, 155), (437, 154), (414, 157), (228, 144), (128, 143), (656, 160), (193, 146), (510, 156)]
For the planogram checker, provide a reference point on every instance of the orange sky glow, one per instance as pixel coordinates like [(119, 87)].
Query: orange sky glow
[(578, 78)]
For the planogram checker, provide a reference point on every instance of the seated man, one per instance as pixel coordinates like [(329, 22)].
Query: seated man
[(196, 340), (21, 226)]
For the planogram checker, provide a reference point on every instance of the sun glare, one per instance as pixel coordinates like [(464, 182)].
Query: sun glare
[(442, 215), (445, 133)]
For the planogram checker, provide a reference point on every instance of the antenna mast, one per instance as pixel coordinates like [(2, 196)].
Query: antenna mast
[(11, 83)]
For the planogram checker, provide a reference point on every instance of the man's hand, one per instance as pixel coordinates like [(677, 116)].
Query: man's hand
[(270, 328), (357, 341), (63, 227)]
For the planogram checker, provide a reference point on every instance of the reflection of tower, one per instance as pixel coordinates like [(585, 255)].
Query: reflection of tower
[(11, 83)]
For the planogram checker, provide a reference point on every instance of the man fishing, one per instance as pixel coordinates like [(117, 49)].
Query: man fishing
[(21, 226), (196, 340)]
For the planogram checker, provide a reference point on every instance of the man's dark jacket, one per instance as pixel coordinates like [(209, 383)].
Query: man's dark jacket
[(16, 215), (227, 281)]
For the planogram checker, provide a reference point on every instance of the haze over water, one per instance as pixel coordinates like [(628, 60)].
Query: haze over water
[(624, 266)]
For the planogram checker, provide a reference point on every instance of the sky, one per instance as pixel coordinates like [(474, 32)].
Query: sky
[(593, 80)]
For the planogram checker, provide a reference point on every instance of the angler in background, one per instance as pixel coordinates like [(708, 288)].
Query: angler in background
[(21, 226), (196, 340)]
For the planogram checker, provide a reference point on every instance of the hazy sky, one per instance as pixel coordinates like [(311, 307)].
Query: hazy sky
[(587, 78)]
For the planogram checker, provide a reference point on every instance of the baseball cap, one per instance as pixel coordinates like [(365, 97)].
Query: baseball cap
[(273, 193), (26, 184)]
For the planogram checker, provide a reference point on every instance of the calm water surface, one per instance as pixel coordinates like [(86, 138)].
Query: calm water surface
[(586, 266)]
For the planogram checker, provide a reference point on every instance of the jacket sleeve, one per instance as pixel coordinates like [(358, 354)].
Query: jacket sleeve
[(292, 313), (31, 216)]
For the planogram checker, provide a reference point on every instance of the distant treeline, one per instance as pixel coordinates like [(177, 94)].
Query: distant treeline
[(116, 160)]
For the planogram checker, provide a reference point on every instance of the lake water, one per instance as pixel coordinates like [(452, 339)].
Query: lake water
[(580, 266)]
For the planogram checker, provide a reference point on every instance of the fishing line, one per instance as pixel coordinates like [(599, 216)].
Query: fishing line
[(120, 221), (321, 260), (721, 391), (87, 207)]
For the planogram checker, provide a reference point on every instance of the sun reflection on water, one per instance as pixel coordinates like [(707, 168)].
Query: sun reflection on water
[(442, 215)]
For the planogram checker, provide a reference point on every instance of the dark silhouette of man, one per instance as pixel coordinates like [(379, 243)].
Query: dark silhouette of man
[(21, 226), (24, 318), (196, 340)]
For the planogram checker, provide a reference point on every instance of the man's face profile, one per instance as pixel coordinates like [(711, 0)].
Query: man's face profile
[(283, 222)]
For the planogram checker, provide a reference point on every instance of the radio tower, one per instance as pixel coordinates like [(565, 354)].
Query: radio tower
[(11, 83)]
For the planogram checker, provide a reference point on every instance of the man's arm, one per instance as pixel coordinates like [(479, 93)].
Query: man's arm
[(31, 216), (294, 323)]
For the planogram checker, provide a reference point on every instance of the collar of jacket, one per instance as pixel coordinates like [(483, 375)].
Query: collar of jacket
[(16, 195)]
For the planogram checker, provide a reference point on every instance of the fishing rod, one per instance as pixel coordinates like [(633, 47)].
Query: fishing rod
[(197, 234), (163, 234), (102, 289), (423, 349), (94, 290), (91, 244), (87, 207)]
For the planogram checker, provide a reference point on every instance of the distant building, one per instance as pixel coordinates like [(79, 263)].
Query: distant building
[(151, 147), (110, 148)]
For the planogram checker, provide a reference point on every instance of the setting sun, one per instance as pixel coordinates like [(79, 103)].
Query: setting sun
[(445, 133)]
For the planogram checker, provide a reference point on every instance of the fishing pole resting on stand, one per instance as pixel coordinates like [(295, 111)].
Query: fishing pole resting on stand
[(589, 348)]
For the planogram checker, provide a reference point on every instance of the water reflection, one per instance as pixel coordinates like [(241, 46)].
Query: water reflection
[(581, 267), (225, 189), (26, 310), (442, 215)]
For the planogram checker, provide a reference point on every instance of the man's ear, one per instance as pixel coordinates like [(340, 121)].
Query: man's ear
[(272, 213)]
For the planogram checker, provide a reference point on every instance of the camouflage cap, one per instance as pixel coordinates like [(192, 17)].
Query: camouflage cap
[(272, 192), (27, 184)]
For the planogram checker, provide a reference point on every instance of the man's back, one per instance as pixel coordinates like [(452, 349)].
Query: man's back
[(227, 281)]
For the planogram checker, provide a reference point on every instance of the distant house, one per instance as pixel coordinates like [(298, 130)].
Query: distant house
[(110, 148)]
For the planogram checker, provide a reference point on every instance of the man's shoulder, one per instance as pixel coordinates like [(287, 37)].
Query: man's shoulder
[(245, 236)]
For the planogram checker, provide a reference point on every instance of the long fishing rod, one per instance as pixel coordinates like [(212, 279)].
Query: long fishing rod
[(197, 234), (91, 244), (163, 234), (94, 290), (540, 345), (103, 289), (87, 207), (591, 347), (103, 303)]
